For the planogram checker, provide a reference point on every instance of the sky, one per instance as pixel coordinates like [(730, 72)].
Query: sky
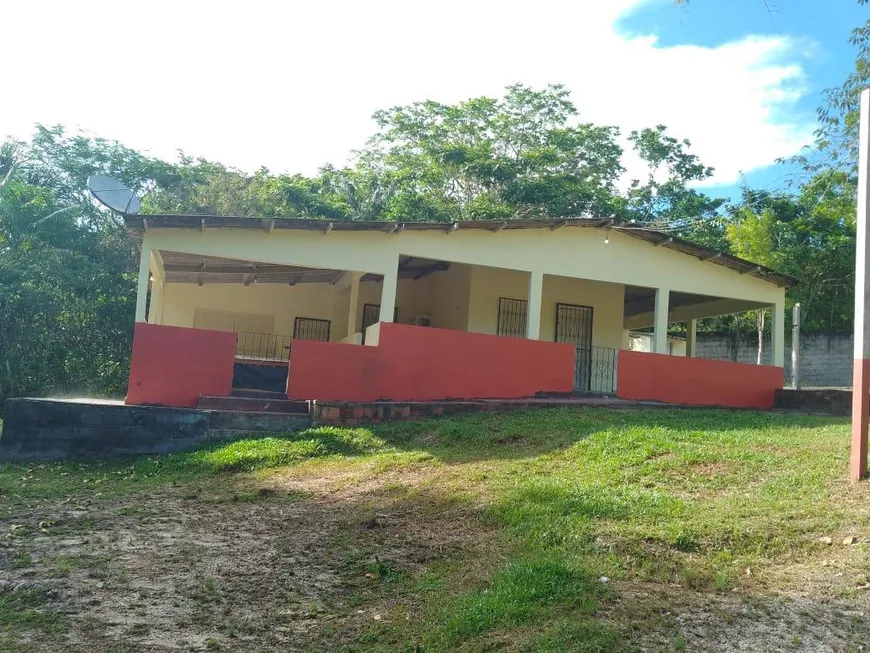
[(292, 85)]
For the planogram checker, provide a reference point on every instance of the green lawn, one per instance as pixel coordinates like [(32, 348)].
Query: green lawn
[(558, 530)]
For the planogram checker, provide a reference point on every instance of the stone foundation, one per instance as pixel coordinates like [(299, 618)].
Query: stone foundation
[(50, 429)]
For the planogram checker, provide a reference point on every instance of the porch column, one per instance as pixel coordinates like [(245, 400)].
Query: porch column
[(354, 303), (691, 335), (155, 308), (660, 337), (142, 287), (388, 293), (777, 333), (533, 312)]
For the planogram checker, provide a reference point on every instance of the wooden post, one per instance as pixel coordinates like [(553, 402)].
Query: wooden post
[(861, 370)]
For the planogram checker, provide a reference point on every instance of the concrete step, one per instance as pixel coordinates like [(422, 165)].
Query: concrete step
[(253, 404), (253, 393), (226, 424)]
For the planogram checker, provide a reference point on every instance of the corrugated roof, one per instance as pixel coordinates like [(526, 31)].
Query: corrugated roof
[(657, 238)]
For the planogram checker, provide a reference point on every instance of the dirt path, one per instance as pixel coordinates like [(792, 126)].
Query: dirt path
[(277, 567)]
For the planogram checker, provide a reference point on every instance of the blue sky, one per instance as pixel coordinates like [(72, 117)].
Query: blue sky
[(823, 26), (292, 85)]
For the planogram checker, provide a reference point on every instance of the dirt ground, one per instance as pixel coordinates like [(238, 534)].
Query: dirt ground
[(282, 566), (307, 561)]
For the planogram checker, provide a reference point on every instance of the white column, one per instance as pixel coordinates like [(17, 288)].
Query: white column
[(142, 287), (155, 307), (660, 337), (691, 335), (388, 293), (861, 364), (353, 308), (533, 312), (777, 333)]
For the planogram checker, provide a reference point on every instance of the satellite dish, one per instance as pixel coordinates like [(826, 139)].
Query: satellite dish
[(112, 193)]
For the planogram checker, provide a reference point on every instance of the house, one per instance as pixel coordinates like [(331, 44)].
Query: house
[(360, 311), (643, 341)]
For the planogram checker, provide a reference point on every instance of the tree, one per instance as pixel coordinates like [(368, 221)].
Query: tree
[(810, 236), (665, 196), (515, 156)]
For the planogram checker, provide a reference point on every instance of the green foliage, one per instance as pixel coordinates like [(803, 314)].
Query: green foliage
[(522, 592), (836, 143), (810, 236)]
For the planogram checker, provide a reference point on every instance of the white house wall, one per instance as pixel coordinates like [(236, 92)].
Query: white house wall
[(286, 303), (578, 252), (606, 300)]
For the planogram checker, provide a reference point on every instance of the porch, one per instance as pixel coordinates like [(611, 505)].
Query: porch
[(271, 309)]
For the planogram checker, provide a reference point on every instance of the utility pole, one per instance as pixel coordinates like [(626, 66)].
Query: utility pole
[(861, 370), (796, 347)]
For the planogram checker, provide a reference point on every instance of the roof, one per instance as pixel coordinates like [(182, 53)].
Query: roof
[(656, 238)]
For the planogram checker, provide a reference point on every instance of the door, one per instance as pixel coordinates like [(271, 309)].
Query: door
[(574, 326)]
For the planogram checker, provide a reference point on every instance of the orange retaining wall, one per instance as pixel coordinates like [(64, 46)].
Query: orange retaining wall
[(422, 363), (696, 381), (173, 366)]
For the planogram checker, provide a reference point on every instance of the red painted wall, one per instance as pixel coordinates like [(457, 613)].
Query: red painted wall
[(420, 363), (695, 381), (173, 366)]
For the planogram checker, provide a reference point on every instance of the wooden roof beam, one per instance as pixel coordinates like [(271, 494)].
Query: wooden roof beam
[(425, 272)]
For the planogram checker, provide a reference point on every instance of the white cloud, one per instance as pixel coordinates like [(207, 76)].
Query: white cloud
[(292, 85)]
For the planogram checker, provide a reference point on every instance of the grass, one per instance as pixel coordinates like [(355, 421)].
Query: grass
[(579, 505)]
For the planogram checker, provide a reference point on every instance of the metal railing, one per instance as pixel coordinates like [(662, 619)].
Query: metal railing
[(595, 370), (262, 348)]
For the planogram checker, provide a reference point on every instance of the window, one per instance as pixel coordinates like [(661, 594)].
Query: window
[(512, 317), (306, 328)]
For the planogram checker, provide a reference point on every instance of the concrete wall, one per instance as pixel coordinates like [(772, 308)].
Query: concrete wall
[(425, 364), (826, 359), (173, 366), (47, 429), (695, 381)]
